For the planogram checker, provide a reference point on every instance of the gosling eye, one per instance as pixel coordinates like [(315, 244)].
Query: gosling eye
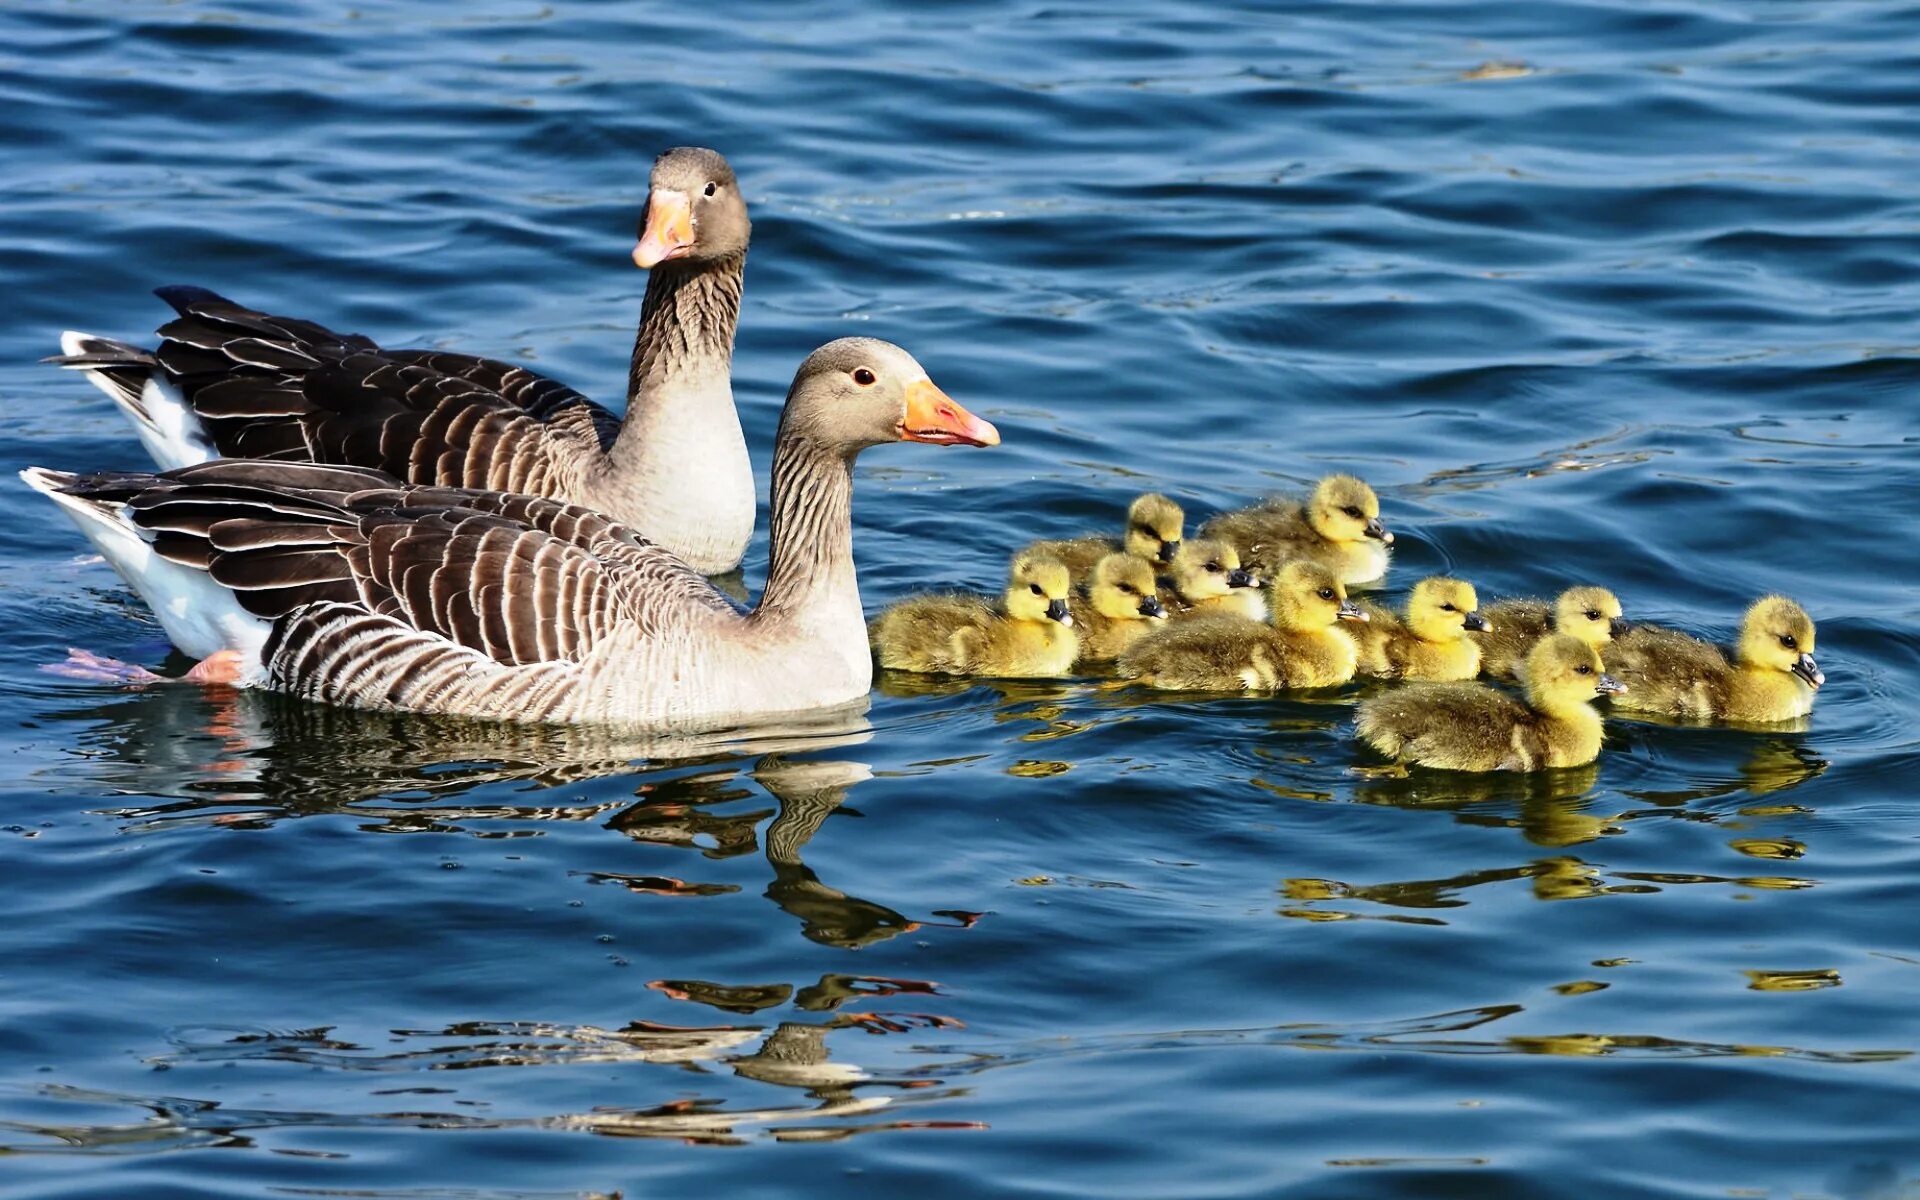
[(1583, 669), (1326, 593), (1213, 566), (1790, 642), (1035, 588), (1448, 608), (710, 189), (1593, 614), (1353, 512), (864, 377), (1127, 589)]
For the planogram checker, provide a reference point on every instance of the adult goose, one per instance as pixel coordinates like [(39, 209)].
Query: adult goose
[(230, 381), (335, 584)]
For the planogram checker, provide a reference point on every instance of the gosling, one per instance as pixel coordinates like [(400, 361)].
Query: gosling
[(1206, 579), (1431, 642), (1301, 648), (1029, 635), (1591, 614), (1338, 527), (1474, 727), (1122, 604), (1154, 528), (1771, 675)]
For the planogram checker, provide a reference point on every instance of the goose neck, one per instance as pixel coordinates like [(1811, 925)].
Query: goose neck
[(687, 321)]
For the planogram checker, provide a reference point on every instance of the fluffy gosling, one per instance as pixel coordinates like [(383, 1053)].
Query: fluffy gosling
[(1474, 727), (1028, 635), (1206, 579), (1154, 527), (1301, 648), (1771, 675), (1591, 614), (1338, 527), (1122, 604), (1431, 641)]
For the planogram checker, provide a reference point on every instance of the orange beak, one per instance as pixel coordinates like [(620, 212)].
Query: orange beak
[(933, 416), (669, 231)]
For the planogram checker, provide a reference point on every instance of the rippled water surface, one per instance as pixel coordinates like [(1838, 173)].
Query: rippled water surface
[(1623, 293)]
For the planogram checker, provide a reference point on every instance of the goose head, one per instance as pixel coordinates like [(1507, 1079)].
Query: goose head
[(1444, 610), (694, 210), (1591, 614), (1154, 525), (1207, 568), (1564, 673), (1307, 596), (1777, 635), (1123, 589), (1037, 589), (859, 392), (1345, 509)]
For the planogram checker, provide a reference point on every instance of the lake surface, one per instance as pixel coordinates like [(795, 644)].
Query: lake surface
[(1612, 293)]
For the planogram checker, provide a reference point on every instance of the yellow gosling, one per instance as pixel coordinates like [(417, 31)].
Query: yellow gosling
[(1591, 614), (1301, 648), (1029, 635), (1338, 527), (1474, 727), (1154, 528), (1771, 675), (1434, 641), (1206, 579), (1121, 605)]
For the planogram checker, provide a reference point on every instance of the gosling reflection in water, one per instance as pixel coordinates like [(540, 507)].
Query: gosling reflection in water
[(1550, 805)]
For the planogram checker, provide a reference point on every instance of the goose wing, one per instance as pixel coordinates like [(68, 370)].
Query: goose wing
[(283, 388)]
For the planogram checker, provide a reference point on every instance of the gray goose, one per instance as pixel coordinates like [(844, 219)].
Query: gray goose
[(230, 381), (338, 585)]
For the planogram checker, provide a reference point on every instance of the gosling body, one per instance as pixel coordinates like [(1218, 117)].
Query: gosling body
[(1474, 727), (1118, 607), (1206, 579), (1338, 526), (1591, 614), (1301, 648), (1028, 634), (1155, 526), (1770, 676), (1436, 640)]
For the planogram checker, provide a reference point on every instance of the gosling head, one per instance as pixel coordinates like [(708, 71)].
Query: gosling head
[(1591, 614), (1344, 509), (694, 210), (1123, 589), (1564, 672), (1777, 635), (858, 392), (1308, 596), (1037, 589), (1205, 568), (1154, 526), (1444, 610)]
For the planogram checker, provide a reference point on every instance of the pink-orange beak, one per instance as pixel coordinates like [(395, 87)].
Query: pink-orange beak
[(669, 231), (933, 416)]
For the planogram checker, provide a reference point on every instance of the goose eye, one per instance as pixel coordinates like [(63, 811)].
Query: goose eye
[(710, 189), (1326, 593), (1593, 614), (1583, 669), (864, 377), (1789, 641)]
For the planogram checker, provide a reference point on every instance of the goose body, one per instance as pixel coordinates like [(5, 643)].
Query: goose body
[(1301, 648), (1770, 676), (1029, 635), (1338, 526), (1591, 614), (1154, 528), (1474, 727), (1434, 640), (231, 381), (339, 585)]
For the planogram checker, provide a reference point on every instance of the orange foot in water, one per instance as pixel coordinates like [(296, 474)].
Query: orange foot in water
[(223, 667)]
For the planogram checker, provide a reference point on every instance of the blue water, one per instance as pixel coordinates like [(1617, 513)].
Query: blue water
[(1613, 293)]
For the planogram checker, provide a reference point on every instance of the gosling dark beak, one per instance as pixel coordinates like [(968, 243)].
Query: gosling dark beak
[(1617, 627), (1475, 623), (1376, 530), (1807, 669), (1349, 611), (1057, 611), (1168, 550), (1241, 577), (1151, 607), (1607, 685)]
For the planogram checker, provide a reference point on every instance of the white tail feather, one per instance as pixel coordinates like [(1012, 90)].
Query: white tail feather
[(169, 429)]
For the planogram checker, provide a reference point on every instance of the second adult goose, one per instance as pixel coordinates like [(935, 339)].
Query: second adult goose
[(230, 381), (333, 584)]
